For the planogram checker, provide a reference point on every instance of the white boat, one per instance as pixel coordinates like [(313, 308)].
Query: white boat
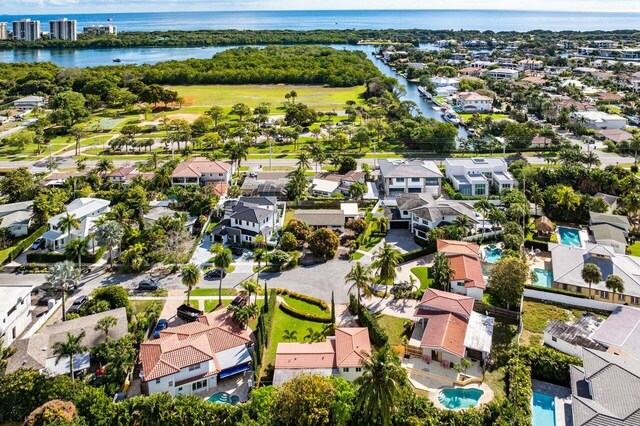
[(452, 118), (435, 108)]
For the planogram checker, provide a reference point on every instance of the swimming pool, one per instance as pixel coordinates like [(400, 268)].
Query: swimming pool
[(492, 254), (570, 236), (459, 398), (224, 398), (544, 409), (545, 277)]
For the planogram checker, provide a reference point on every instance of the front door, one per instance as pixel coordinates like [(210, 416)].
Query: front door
[(436, 356)]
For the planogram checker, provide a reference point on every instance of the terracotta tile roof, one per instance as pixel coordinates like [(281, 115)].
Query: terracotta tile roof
[(467, 269), (352, 346), (129, 172), (189, 344), (473, 96), (221, 319), (457, 247), (219, 188), (446, 331), (198, 166), (443, 301)]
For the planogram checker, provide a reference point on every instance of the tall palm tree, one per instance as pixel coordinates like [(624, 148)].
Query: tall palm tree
[(67, 349), (357, 190), (318, 155), (304, 161), (222, 261), (67, 222), (483, 207), (462, 222), (361, 278), (383, 224), (104, 166), (442, 271), (380, 385), (536, 196), (62, 276), (237, 152), (76, 249), (566, 197), (190, 277), (110, 233), (77, 133), (386, 262), (105, 324), (591, 274), (615, 284), (252, 287)]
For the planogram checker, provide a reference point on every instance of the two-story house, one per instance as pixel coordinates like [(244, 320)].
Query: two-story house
[(248, 217), (16, 217), (195, 357), (340, 355), (204, 172), (15, 311), (464, 261), (399, 176), (87, 211), (474, 102), (476, 176)]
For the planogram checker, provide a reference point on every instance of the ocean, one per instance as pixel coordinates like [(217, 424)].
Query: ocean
[(495, 20)]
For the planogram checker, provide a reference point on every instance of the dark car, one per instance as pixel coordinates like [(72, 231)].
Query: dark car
[(162, 324), (148, 285), (78, 304), (44, 300), (188, 313), (236, 250), (215, 273), (240, 300)]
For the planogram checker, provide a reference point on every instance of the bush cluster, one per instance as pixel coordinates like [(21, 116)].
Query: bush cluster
[(376, 333)]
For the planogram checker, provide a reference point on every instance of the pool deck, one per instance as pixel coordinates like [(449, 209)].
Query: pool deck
[(235, 385), (562, 395), (486, 397)]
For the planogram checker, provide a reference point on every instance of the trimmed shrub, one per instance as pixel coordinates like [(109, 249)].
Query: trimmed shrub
[(60, 257), (415, 254), (376, 333), (549, 365), (303, 315), (304, 297), (26, 243)]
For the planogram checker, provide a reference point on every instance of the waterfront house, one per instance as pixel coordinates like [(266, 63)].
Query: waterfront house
[(87, 211), (471, 102), (248, 217), (202, 171), (400, 176), (15, 311), (341, 355), (37, 351), (464, 261), (196, 356), (476, 176)]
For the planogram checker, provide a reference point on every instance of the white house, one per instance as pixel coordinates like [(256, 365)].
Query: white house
[(87, 211), (340, 355), (326, 184), (570, 338), (530, 64), (16, 217), (30, 102), (248, 217), (474, 102), (195, 357), (475, 176), (502, 74), (37, 351), (202, 171), (15, 311), (599, 120), (399, 176)]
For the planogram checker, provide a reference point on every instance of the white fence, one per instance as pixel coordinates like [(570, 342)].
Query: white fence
[(43, 319), (569, 300)]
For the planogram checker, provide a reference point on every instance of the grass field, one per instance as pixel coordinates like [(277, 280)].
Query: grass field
[(466, 116), (212, 292), (422, 272), (394, 327), (318, 97)]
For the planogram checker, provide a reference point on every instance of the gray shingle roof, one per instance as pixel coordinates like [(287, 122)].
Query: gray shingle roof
[(604, 231), (621, 330), (408, 168)]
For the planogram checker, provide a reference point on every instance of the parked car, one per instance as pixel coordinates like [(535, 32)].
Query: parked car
[(215, 273), (148, 285), (44, 300), (240, 300), (38, 244), (78, 304), (162, 324), (236, 250)]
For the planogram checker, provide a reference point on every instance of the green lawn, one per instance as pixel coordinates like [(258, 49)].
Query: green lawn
[(213, 292), (634, 249), (370, 243), (465, 116), (422, 272), (318, 97), (306, 307), (357, 255), (394, 327), (140, 306)]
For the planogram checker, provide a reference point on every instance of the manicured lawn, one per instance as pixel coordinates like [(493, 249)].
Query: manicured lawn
[(144, 306), (634, 249), (318, 97), (466, 116), (213, 292), (394, 327), (306, 307), (422, 272), (370, 243), (210, 305)]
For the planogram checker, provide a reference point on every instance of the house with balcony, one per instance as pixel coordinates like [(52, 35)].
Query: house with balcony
[(465, 262), (15, 312), (530, 65), (446, 329), (87, 211), (248, 217), (474, 102), (341, 355), (477, 176), (204, 172), (404, 176), (194, 357)]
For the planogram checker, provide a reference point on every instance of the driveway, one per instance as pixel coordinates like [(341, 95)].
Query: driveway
[(402, 239)]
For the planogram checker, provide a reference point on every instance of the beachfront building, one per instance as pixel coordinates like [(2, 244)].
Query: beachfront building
[(63, 29), (470, 102), (502, 74), (4, 31), (101, 30), (196, 356), (403, 176), (599, 120), (341, 355), (464, 261), (204, 172), (86, 211), (15, 312), (476, 176), (246, 218), (26, 30)]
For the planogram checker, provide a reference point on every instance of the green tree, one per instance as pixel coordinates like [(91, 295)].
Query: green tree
[(591, 274), (190, 277), (68, 349), (615, 284), (308, 399), (104, 166), (241, 110), (216, 113), (222, 261), (77, 248), (68, 108), (62, 276), (357, 190), (386, 262), (323, 243), (110, 233), (105, 324), (361, 278), (19, 185), (442, 272), (237, 152), (252, 287), (483, 207), (507, 279), (288, 242)]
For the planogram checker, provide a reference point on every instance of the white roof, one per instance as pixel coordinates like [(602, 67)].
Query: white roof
[(81, 208), (474, 162), (502, 71), (598, 116), (322, 185), (372, 192), (11, 294), (479, 332), (232, 357), (349, 209)]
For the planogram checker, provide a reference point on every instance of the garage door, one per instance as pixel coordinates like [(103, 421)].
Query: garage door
[(399, 224)]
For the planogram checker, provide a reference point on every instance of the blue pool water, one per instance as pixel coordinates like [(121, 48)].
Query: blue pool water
[(224, 398), (459, 398), (544, 410), (492, 254), (545, 277), (570, 236)]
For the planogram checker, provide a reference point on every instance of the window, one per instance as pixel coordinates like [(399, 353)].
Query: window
[(345, 370), (565, 287), (634, 300), (194, 367), (358, 369), (415, 179), (555, 339), (431, 181), (460, 284), (157, 381), (399, 180), (198, 385), (621, 297), (604, 294)]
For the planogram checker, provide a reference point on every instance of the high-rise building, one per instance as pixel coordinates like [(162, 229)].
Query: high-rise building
[(4, 31), (26, 30), (101, 30), (63, 29)]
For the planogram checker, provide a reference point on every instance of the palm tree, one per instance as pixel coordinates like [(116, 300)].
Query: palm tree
[(190, 277), (380, 385), (318, 155), (383, 224), (304, 161), (222, 261), (386, 262), (62, 276), (615, 284), (76, 249), (289, 335), (536, 196), (67, 222), (566, 197), (77, 133), (260, 242), (110, 232), (634, 145), (361, 278), (313, 335), (238, 152), (69, 348), (591, 159), (591, 274), (105, 324), (484, 207), (252, 287), (462, 222), (442, 272), (357, 190), (104, 166)]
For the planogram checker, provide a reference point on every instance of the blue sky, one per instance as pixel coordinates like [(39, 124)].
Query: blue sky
[(113, 6)]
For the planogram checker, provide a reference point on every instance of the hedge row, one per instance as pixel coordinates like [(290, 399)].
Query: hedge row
[(377, 335), (417, 253), (304, 298), (520, 390), (61, 257), (541, 245), (556, 291), (25, 244), (303, 315), (549, 365)]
